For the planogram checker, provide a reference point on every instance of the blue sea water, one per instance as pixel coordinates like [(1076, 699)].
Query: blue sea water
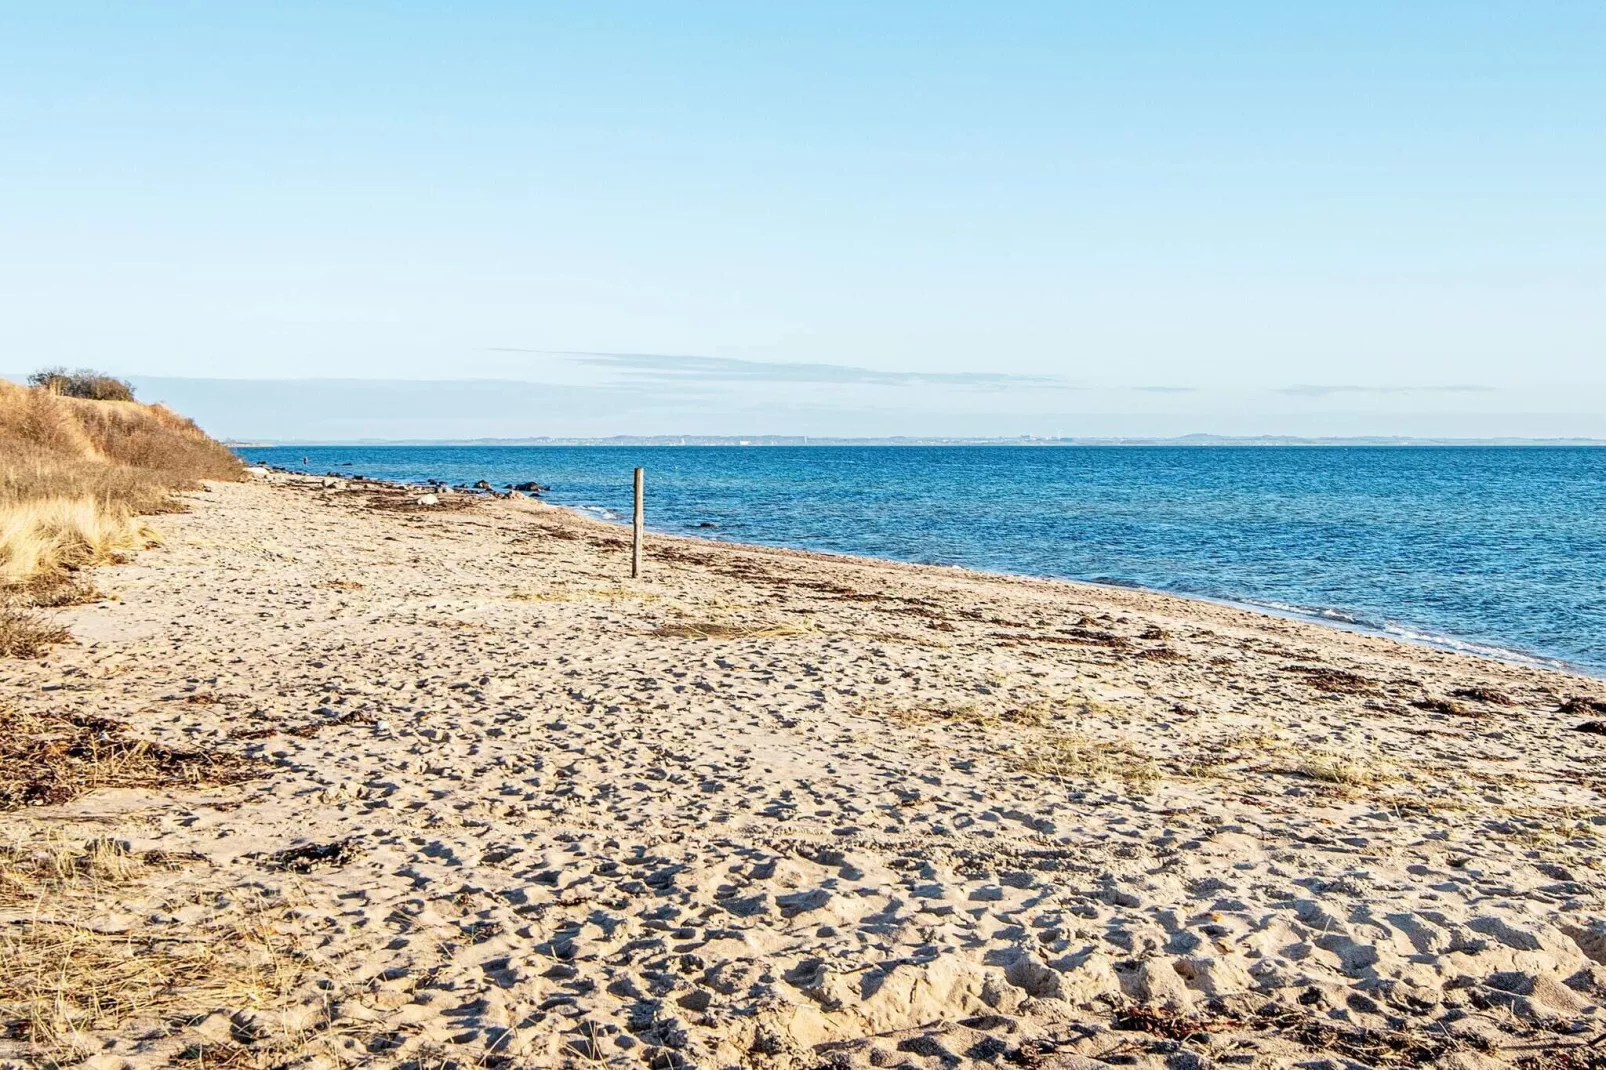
[(1497, 550)]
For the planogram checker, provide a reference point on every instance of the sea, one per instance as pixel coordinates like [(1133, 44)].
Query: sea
[(1491, 550)]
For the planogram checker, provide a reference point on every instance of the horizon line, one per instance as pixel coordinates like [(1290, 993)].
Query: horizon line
[(760, 440)]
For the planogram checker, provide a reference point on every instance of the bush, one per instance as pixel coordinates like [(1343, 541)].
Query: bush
[(83, 383)]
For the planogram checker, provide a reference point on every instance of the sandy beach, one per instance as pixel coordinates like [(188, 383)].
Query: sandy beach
[(461, 793)]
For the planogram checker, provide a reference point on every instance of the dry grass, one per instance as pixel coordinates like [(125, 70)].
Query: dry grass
[(118, 451), (1555, 827), (65, 983), (25, 633), (1345, 770), (1254, 753), (689, 629), (74, 476), (46, 537), (56, 863), (53, 757), (53, 590), (1071, 756), (1036, 714)]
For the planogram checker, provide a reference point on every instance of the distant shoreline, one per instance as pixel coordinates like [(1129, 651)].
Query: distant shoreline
[(1196, 441)]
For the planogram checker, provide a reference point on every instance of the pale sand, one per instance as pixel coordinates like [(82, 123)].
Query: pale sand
[(886, 816)]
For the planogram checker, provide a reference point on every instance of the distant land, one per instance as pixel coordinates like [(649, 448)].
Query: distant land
[(625, 408), (1022, 440)]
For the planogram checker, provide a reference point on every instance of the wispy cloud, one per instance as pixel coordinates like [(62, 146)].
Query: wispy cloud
[(683, 368), (1327, 391)]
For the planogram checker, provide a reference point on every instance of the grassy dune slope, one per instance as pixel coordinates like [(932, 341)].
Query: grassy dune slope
[(74, 477)]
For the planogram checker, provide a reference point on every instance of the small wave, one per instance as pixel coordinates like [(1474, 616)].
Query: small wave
[(1409, 634), (1468, 646), (1342, 618), (601, 512), (1323, 613), (1116, 581)]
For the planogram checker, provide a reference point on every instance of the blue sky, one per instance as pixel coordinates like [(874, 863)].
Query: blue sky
[(991, 219)]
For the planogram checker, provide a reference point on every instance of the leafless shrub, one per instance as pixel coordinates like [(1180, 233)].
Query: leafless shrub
[(25, 633), (83, 383)]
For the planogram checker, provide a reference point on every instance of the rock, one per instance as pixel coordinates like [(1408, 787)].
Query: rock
[(428, 499), (532, 487), (256, 470)]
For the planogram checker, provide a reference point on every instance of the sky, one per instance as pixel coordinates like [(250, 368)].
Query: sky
[(890, 218)]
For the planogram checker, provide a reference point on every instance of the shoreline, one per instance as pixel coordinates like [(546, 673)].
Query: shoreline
[(1448, 644), (1401, 634), (479, 796)]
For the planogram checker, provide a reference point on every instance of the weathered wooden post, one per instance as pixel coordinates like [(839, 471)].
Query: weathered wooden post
[(635, 547)]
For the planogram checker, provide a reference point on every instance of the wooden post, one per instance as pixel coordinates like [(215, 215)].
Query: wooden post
[(635, 548)]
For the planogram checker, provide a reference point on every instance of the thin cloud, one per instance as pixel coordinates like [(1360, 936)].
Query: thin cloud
[(1310, 391), (684, 368)]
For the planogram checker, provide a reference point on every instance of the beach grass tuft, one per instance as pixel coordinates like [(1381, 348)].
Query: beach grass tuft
[(66, 977), (1345, 770), (27, 633), (1073, 756)]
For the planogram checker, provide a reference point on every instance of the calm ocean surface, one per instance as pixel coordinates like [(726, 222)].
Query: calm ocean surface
[(1498, 550)]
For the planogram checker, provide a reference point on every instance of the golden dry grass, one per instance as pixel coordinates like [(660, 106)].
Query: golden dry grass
[(1346, 770), (65, 980), (75, 475), (50, 535), (1072, 756)]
